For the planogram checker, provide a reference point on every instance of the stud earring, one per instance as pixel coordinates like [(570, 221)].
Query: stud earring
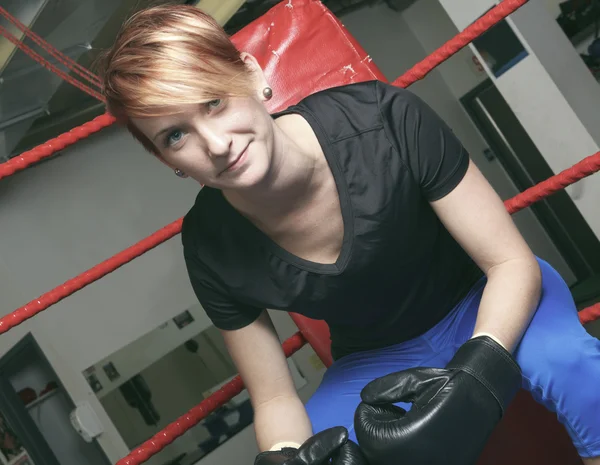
[(267, 93), (180, 173)]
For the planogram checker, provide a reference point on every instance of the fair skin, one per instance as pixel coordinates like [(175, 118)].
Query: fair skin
[(282, 167)]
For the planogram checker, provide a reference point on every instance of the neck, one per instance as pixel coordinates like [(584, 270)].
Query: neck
[(291, 183)]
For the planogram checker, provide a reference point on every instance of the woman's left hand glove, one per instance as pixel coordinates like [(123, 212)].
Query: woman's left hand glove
[(329, 447), (454, 411)]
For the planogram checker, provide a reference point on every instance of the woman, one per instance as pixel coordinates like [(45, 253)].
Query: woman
[(358, 206)]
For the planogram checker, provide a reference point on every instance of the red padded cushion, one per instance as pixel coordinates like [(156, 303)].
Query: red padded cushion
[(303, 48)]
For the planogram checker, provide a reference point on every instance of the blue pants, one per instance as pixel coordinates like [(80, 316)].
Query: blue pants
[(559, 359)]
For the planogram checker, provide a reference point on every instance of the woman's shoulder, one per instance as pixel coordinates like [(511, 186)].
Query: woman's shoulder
[(363, 92), (362, 105), (343, 111)]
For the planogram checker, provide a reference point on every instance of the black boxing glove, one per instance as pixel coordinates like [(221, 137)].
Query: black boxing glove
[(454, 409), (329, 447)]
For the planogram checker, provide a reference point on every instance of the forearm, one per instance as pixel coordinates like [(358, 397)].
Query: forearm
[(281, 420), (509, 301)]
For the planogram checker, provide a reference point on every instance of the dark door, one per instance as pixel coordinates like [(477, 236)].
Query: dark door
[(20, 439), (38, 406), (517, 153)]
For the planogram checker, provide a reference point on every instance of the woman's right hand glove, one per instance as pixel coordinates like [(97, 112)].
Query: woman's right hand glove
[(329, 447)]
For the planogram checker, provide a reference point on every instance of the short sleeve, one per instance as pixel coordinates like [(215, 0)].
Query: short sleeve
[(429, 148), (224, 312)]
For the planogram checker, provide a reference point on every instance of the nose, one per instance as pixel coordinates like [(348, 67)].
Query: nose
[(218, 142)]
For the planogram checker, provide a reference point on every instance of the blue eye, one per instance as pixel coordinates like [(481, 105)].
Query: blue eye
[(174, 137), (213, 103)]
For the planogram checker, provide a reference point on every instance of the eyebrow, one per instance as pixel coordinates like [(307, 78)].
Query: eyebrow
[(162, 131)]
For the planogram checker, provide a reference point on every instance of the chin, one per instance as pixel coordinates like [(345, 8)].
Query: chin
[(251, 175)]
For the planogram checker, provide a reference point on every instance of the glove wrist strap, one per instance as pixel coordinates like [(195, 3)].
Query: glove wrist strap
[(491, 336), (492, 365), (275, 457)]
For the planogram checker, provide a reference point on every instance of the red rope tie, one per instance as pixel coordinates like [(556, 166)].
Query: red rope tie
[(578, 171), (52, 146), (41, 60), (458, 42), (165, 437), (93, 274), (589, 314), (60, 57)]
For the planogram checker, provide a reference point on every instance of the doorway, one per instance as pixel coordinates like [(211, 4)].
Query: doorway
[(510, 144), (36, 405)]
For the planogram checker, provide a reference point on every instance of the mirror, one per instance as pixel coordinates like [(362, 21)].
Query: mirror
[(154, 380)]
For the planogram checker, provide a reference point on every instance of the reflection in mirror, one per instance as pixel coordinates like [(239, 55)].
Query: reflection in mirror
[(154, 380)]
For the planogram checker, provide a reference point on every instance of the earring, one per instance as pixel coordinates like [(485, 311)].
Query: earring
[(267, 93), (180, 173)]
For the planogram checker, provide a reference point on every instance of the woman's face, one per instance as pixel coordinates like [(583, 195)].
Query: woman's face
[(225, 143)]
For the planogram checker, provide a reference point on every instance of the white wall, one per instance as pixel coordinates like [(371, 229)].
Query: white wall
[(64, 216), (551, 92), (541, 33)]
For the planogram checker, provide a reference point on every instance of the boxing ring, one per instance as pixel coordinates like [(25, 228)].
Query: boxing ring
[(286, 35)]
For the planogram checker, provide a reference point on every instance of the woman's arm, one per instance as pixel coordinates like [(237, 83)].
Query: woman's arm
[(279, 415), (476, 217)]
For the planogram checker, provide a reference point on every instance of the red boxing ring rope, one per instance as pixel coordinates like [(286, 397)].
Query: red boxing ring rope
[(458, 42), (93, 274), (52, 146), (61, 57), (582, 169), (587, 315), (417, 72), (578, 171)]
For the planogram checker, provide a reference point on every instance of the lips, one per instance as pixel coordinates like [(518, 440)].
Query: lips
[(233, 164)]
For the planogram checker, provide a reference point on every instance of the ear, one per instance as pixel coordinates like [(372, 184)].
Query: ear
[(260, 79), (169, 165)]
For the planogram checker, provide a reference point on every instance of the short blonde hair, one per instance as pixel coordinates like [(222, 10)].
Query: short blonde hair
[(169, 55)]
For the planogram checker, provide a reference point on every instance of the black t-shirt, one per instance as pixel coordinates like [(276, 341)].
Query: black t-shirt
[(399, 271)]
